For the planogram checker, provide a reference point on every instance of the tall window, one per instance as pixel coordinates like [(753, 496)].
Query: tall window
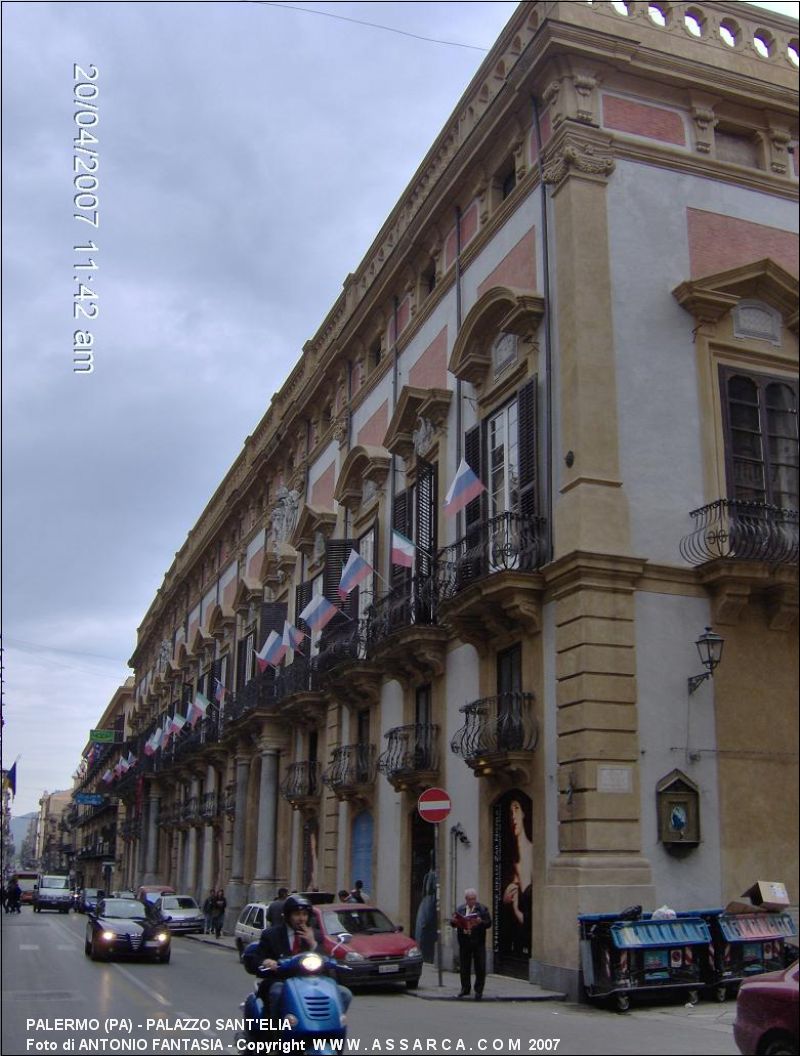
[(761, 441), (503, 481)]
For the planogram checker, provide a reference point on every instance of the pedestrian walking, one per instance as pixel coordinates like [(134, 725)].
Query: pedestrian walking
[(472, 920), (357, 894), (218, 912), (208, 910)]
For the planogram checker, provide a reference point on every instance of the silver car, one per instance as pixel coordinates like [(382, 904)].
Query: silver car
[(181, 914)]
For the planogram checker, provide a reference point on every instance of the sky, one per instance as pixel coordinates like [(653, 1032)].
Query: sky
[(248, 154)]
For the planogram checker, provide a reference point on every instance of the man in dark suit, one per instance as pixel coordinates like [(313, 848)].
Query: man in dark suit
[(295, 935), (472, 920)]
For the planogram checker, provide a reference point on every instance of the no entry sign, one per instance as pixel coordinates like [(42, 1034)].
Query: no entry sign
[(434, 805)]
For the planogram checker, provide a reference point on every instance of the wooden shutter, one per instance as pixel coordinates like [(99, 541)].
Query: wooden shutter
[(273, 616), (302, 596), (475, 457), (426, 518), (526, 417), (244, 660), (337, 552)]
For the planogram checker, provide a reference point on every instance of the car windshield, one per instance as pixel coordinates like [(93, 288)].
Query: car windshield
[(123, 907), (179, 903), (61, 882), (356, 922), (90, 892)]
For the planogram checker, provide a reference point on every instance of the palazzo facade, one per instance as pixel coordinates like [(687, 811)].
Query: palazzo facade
[(588, 292)]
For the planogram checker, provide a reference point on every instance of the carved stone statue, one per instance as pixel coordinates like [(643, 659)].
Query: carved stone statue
[(284, 517)]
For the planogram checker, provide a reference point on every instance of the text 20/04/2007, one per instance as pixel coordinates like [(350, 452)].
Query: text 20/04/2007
[(86, 202)]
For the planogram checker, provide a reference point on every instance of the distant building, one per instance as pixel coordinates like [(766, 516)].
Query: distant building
[(50, 851), (588, 295)]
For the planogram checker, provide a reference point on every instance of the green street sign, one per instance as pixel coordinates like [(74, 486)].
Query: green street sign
[(102, 736)]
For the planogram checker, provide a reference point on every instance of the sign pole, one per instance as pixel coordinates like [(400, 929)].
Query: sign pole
[(436, 852), (434, 806)]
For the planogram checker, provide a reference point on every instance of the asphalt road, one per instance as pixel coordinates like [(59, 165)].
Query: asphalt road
[(46, 978)]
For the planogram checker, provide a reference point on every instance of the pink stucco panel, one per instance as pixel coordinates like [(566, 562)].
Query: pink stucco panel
[(517, 268), (640, 119), (719, 243), (374, 429), (322, 491), (430, 370)]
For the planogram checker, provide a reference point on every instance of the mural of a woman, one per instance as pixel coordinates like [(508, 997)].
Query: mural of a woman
[(517, 896), (513, 872)]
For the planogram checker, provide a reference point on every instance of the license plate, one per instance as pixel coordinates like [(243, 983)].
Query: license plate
[(385, 968)]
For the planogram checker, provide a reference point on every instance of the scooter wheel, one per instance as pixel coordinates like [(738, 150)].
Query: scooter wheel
[(693, 997), (623, 1002), (721, 993)]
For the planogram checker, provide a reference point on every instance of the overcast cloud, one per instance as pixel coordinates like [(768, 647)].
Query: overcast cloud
[(249, 153)]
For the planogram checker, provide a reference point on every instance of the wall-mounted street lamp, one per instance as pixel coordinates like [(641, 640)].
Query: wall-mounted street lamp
[(709, 646)]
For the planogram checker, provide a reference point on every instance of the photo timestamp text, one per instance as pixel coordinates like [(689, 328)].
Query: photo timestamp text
[(86, 203)]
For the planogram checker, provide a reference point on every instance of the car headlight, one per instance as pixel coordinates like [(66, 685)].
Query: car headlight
[(162, 937), (108, 936), (414, 952), (352, 955)]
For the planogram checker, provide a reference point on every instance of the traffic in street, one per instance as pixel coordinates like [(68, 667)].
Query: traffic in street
[(56, 999)]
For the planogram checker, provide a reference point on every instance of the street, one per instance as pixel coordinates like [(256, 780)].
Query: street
[(55, 999)]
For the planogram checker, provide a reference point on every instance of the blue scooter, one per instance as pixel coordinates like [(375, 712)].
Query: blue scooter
[(310, 1005)]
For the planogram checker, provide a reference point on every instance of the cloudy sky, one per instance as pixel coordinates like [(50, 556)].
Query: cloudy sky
[(248, 154)]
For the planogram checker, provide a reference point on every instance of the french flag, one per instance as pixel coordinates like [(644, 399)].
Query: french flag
[(403, 550), (292, 637), (464, 489), (354, 572), (318, 612), (219, 691), (271, 652)]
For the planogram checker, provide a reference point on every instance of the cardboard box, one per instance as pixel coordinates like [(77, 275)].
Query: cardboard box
[(770, 894)]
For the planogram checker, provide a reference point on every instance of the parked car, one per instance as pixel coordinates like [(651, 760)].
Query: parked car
[(252, 921), (88, 899), (122, 927), (181, 913), (766, 1021), (150, 893), (372, 947)]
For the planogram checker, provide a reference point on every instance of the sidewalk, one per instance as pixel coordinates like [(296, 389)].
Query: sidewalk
[(498, 987)]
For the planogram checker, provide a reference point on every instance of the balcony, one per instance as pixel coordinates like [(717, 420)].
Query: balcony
[(411, 758), (229, 800), (351, 773), (98, 849), (403, 636), (297, 691), (742, 531), (189, 740), (257, 695), (302, 784), (131, 829), (498, 736), (169, 817), (487, 582), (190, 811), (746, 550), (342, 666), (209, 806)]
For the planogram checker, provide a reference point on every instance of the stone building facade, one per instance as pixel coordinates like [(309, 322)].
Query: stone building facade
[(588, 292)]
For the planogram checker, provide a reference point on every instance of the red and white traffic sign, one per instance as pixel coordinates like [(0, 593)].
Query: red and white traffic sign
[(434, 805)]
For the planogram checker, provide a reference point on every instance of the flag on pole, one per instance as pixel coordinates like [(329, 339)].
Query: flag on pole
[(292, 637), (318, 612), (219, 691), (158, 733), (131, 760), (149, 747), (403, 550), (11, 780), (123, 765), (108, 777), (198, 709), (271, 652), (166, 731), (354, 572), (464, 489), (177, 722)]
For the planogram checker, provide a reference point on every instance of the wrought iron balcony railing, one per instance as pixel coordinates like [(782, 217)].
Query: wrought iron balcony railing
[(412, 606), (260, 692), (229, 802), (351, 767), (131, 829), (496, 726), (410, 750), (190, 810), (347, 641), (509, 542), (98, 849), (209, 805), (742, 530), (302, 782), (299, 677), (207, 731)]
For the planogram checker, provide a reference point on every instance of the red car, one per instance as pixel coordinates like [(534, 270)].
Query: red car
[(766, 1014), (372, 947)]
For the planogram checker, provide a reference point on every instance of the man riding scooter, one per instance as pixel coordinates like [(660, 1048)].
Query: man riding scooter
[(295, 935)]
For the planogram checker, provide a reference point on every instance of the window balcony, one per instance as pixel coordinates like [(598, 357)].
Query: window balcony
[(131, 829), (498, 736), (190, 811), (258, 695), (229, 800), (351, 773), (402, 633), (297, 691), (98, 849), (209, 807), (741, 530), (189, 740), (487, 582), (342, 665), (302, 784), (411, 758)]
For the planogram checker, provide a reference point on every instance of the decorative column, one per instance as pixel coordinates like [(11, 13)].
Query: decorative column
[(237, 891), (151, 836), (192, 840), (264, 882), (207, 877)]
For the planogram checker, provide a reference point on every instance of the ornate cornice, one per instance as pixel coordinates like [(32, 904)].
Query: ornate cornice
[(578, 152)]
